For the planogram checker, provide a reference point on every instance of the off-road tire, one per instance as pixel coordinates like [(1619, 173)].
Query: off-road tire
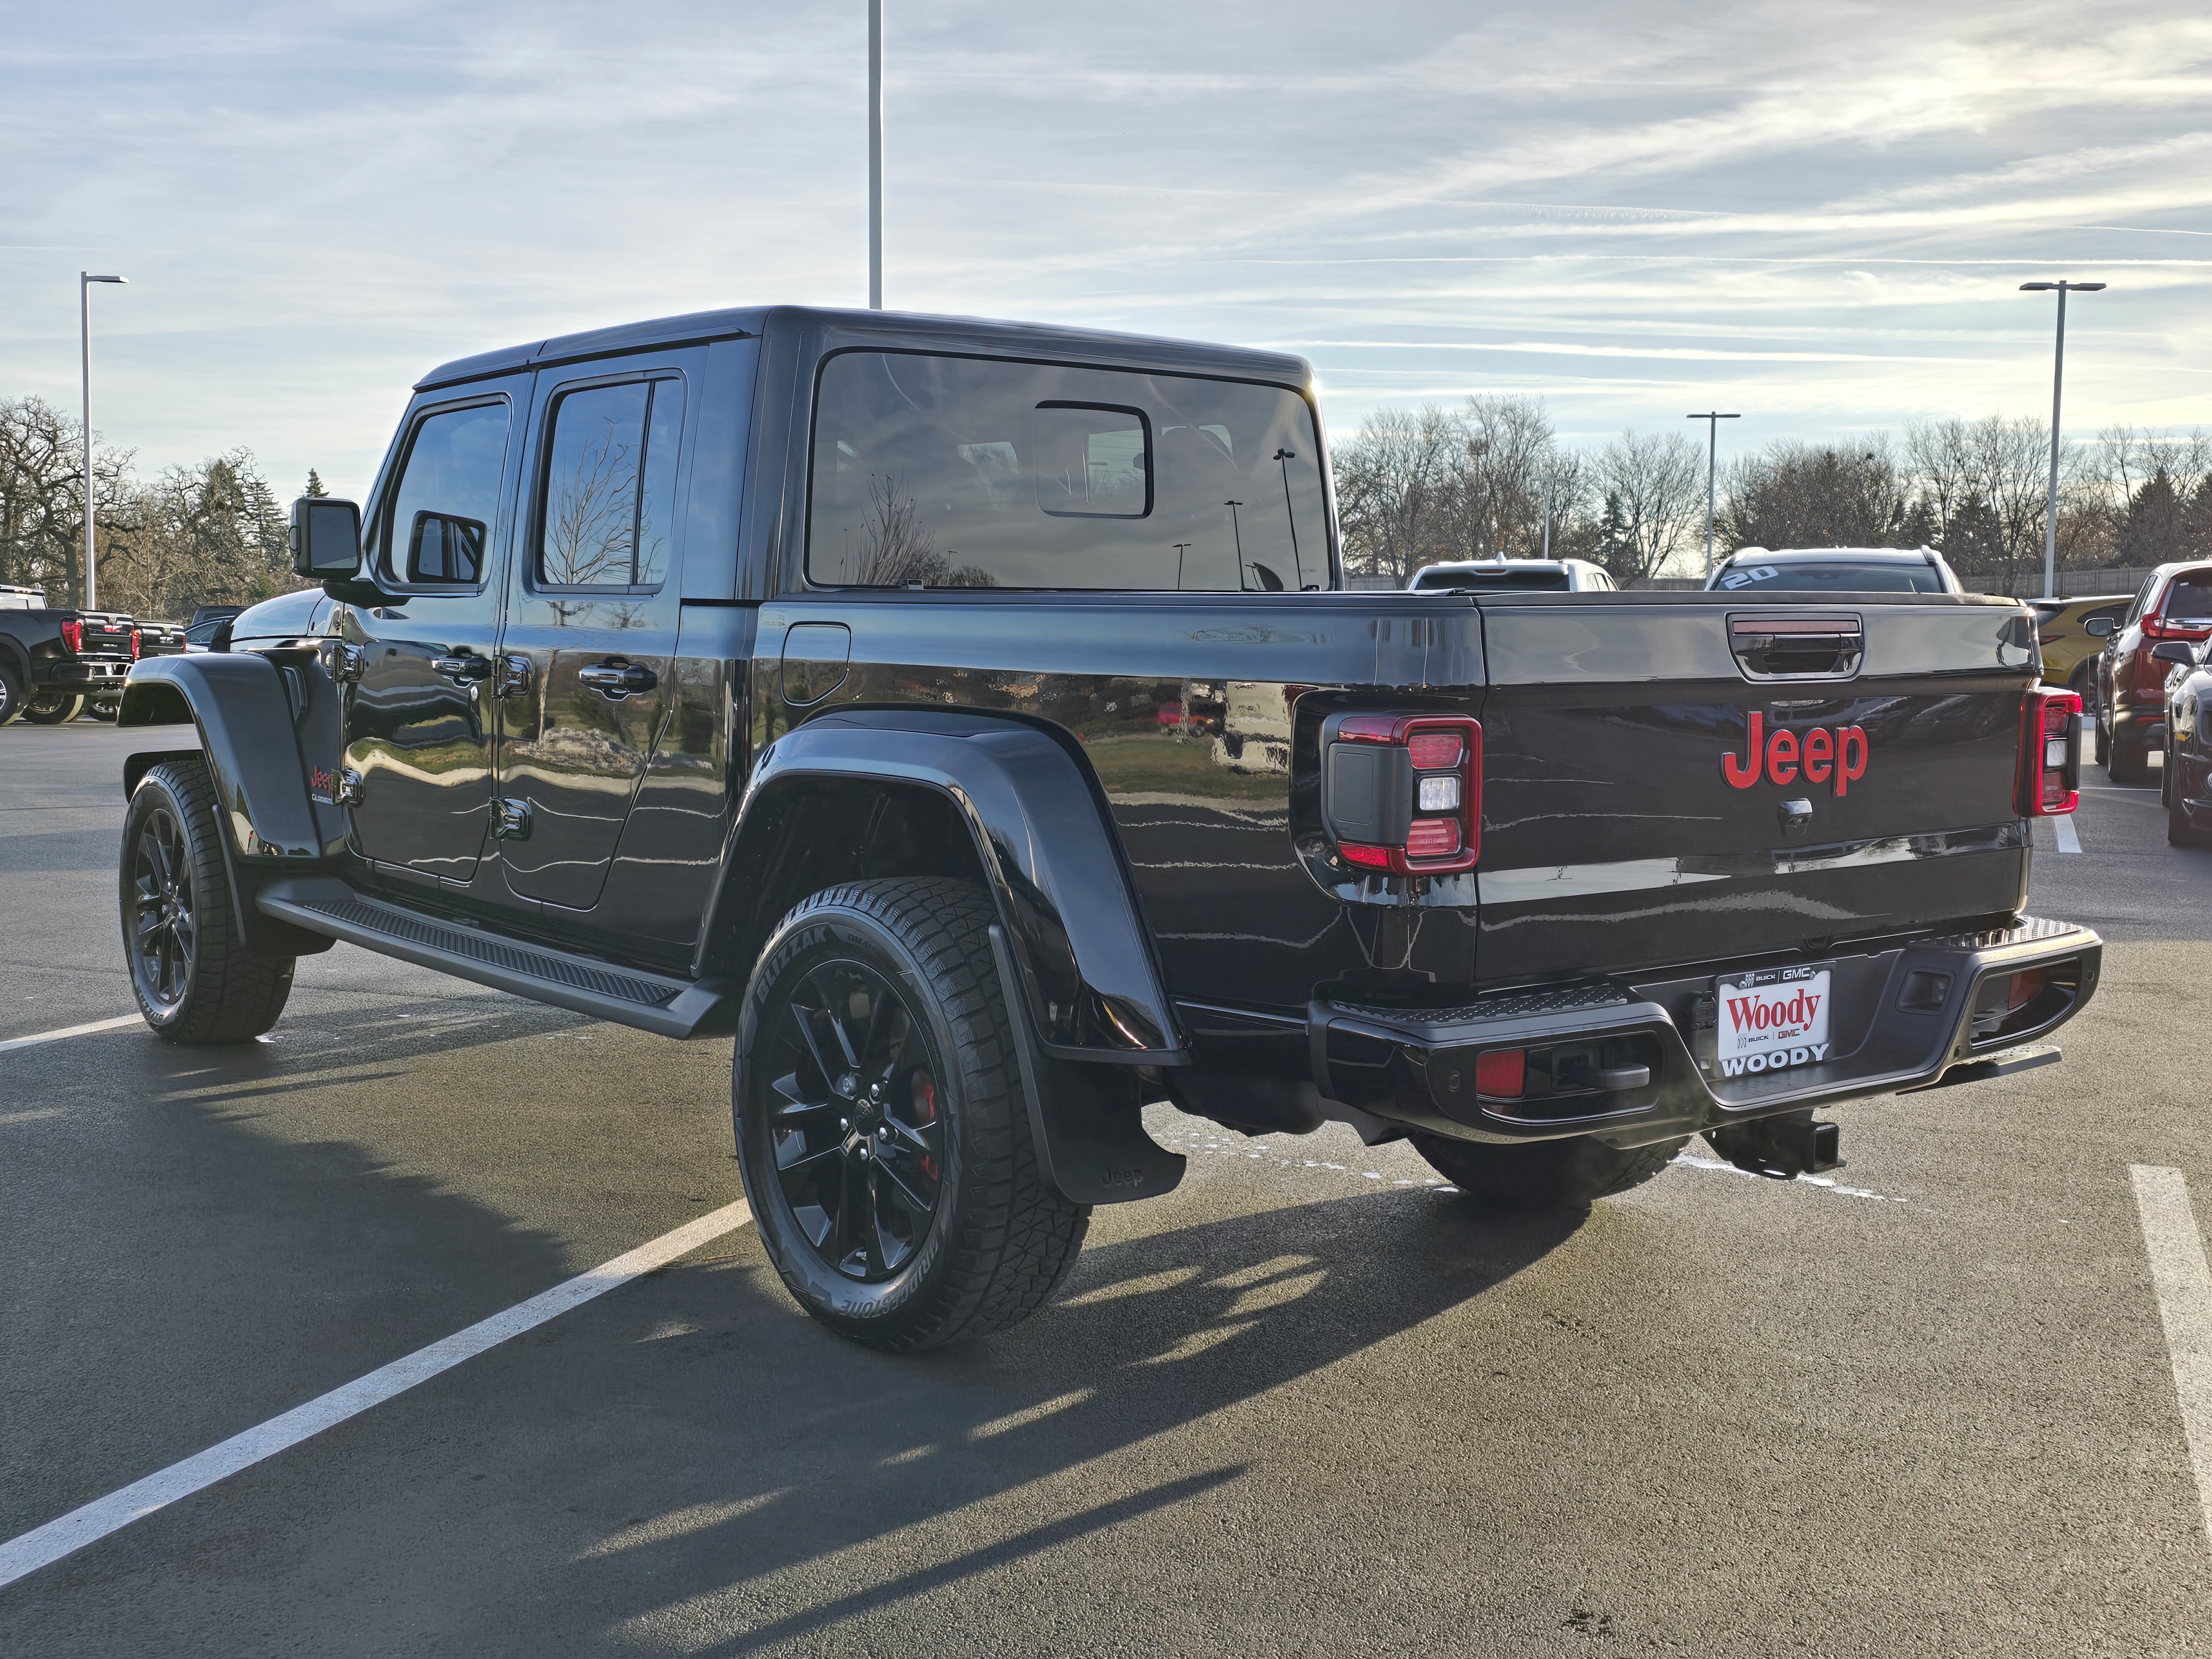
[(1570, 1174), (223, 992), (11, 694), (999, 1239), (103, 708), (2127, 762), (52, 709)]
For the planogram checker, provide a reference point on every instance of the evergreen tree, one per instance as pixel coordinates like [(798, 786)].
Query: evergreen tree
[(315, 484)]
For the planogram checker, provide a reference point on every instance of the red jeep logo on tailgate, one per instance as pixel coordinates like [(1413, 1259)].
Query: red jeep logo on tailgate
[(1819, 754)]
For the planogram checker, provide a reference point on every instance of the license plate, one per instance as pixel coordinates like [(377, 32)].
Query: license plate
[(1773, 1020)]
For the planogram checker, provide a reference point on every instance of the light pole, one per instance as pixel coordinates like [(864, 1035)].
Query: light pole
[(1712, 418), (2057, 379), (1285, 456), (875, 155), (85, 279)]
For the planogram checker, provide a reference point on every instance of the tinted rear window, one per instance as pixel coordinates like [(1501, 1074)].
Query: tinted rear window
[(1841, 577), (1544, 581), (2189, 600), (973, 472)]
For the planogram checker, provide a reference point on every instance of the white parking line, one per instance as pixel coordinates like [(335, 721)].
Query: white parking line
[(119, 1021), (2183, 1284), (95, 1519), (2062, 827)]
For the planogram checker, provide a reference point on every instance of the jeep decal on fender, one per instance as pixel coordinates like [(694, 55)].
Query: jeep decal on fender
[(1778, 757)]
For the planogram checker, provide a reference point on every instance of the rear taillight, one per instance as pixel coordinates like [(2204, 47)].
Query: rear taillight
[(2165, 628), (1403, 792), (73, 636), (2049, 771), (134, 645)]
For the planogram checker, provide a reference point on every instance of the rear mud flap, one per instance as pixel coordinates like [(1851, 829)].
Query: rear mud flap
[(1086, 1121)]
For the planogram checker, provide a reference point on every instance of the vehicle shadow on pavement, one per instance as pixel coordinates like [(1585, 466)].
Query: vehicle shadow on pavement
[(818, 1482), (179, 1273)]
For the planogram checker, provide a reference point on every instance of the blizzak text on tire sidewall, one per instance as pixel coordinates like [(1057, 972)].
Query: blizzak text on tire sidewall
[(996, 1239), (194, 977)]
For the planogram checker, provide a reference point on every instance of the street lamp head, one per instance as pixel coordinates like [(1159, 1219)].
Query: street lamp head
[(2069, 287), (2036, 287), (87, 277)]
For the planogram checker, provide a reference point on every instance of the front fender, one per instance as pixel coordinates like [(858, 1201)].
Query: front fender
[(1091, 980), (239, 701)]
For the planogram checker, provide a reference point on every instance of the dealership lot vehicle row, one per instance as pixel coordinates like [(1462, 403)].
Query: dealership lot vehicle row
[(685, 1465)]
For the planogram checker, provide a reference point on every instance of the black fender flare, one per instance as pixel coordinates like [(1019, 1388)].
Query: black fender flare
[(238, 702), (1044, 839), (1083, 983)]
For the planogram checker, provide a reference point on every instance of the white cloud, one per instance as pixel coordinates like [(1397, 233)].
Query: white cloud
[(1819, 214)]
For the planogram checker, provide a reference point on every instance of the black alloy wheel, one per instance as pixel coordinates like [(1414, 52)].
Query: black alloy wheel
[(160, 924), (196, 978), (882, 1126), (853, 1123)]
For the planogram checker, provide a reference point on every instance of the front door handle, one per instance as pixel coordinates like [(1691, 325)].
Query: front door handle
[(465, 669), (616, 680)]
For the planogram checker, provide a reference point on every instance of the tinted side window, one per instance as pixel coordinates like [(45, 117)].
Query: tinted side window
[(609, 494), (2189, 600), (970, 472), (447, 498)]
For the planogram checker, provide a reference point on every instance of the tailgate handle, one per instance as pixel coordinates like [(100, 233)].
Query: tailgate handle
[(1797, 647)]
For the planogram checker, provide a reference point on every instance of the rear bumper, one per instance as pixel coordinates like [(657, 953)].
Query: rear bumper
[(2143, 722), (81, 675), (1904, 1019)]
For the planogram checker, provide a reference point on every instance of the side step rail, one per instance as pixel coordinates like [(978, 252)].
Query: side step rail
[(665, 1005)]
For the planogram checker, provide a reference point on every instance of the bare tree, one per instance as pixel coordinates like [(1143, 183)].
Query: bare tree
[(42, 497), (1395, 488), (1653, 488), (1985, 489), (1796, 495), (896, 551)]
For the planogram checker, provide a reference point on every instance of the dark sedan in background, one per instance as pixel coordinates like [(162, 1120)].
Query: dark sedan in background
[(2175, 605), (2187, 786)]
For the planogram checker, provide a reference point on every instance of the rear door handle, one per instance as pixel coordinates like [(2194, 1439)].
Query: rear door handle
[(615, 681), (465, 669)]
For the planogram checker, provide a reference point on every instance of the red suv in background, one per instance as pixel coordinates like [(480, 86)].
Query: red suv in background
[(2175, 603)]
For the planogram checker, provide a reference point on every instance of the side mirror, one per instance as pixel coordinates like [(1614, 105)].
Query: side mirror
[(325, 538), (2179, 651), (2097, 627)]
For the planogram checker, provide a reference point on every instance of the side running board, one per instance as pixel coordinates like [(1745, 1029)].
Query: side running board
[(623, 996)]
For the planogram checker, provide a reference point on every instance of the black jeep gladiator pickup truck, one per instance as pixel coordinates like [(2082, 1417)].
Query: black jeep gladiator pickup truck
[(53, 658), (972, 720)]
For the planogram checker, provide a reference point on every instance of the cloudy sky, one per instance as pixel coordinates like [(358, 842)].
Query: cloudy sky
[(1815, 213)]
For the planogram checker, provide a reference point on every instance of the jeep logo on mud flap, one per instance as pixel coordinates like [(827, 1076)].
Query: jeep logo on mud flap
[(1820, 754)]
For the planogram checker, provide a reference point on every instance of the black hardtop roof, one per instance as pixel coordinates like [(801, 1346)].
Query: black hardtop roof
[(883, 328)]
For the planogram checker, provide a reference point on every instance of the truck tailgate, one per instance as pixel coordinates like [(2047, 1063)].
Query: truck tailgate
[(1627, 822)]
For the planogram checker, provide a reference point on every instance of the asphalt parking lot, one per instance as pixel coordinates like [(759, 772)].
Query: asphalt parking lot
[(1309, 1403)]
